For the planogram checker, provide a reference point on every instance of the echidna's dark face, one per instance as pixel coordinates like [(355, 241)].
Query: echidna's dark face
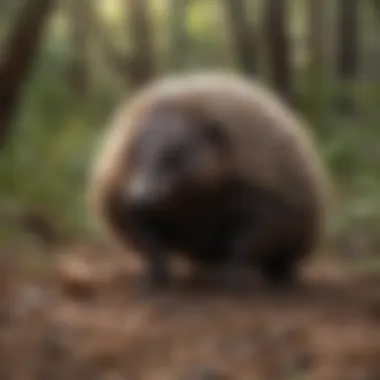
[(173, 157)]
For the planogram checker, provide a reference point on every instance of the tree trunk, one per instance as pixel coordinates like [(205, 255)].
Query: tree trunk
[(375, 42), (79, 24), (142, 57), (317, 94), (17, 58), (278, 47), (242, 35), (178, 34), (348, 41), (317, 42), (347, 55)]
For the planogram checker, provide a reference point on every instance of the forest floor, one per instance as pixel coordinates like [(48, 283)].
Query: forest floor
[(84, 320)]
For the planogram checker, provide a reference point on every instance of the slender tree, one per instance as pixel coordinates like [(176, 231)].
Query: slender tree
[(317, 29), (79, 16), (178, 36), (142, 55), (242, 34), (137, 65), (17, 58), (348, 39), (376, 43), (347, 52), (276, 29), (317, 98)]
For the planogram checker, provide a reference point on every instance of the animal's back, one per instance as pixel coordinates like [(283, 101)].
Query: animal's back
[(272, 145)]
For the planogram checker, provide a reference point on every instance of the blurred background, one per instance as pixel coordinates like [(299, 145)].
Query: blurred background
[(64, 67)]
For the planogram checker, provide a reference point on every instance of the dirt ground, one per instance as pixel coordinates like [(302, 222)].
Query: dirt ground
[(84, 320)]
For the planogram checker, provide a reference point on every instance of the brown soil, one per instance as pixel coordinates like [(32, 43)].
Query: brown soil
[(85, 320)]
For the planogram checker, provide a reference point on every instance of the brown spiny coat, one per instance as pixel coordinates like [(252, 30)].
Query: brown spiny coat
[(270, 146)]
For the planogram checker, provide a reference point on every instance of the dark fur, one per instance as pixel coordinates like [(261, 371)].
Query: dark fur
[(218, 220)]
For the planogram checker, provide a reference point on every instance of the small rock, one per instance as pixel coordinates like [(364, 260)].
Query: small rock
[(205, 374), (28, 301), (304, 361)]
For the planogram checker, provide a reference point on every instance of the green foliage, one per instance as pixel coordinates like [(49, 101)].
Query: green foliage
[(46, 163)]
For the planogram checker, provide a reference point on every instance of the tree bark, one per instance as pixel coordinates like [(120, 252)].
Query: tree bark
[(242, 35), (317, 28), (116, 59), (142, 57), (373, 55), (178, 33), (79, 13), (278, 47), (136, 66), (317, 73), (348, 39), (17, 58)]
